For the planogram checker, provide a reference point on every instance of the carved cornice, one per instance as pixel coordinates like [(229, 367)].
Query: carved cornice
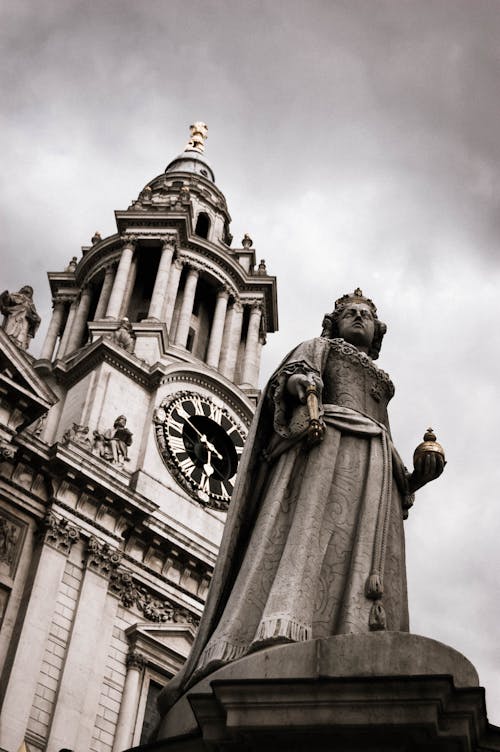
[(133, 594), (102, 558), (58, 533)]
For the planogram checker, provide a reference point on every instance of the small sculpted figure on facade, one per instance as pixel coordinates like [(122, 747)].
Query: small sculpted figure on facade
[(77, 433), (124, 336), (313, 545), (21, 319), (112, 444)]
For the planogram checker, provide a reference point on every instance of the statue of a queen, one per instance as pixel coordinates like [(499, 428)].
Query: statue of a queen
[(313, 544)]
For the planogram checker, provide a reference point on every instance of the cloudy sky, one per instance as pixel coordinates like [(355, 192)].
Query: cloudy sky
[(357, 141)]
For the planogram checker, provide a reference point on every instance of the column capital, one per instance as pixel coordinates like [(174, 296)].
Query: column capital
[(238, 306), (58, 533), (135, 660), (224, 292), (255, 304), (129, 240), (169, 240), (102, 558)]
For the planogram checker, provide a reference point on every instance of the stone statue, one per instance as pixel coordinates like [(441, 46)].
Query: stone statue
[(77, 433), (21, 319), (313, 544), (124, 336), (199, 133), (112, 444)]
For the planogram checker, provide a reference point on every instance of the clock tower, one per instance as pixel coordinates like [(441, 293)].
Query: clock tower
[(150, 369)]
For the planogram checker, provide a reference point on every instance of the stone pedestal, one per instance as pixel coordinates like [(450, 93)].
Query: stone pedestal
[(387, 691)]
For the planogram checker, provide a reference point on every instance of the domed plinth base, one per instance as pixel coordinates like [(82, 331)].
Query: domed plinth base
[(381, 691)]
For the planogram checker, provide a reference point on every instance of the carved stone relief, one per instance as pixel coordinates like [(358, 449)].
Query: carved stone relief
[(152, 608), (11, 540), (77, 433), (58, 533), (102, 558)]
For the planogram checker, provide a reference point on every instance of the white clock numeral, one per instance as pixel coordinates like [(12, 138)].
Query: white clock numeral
[(176, 443), (225, 495), (204, 483), (198, 405), (187, 466), (172, 423), (215, 413)]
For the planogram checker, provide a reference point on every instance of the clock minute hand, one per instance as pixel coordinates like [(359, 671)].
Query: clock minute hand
[(203, 439)]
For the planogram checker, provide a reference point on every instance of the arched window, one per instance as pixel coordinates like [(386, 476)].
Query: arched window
[(202, 225)]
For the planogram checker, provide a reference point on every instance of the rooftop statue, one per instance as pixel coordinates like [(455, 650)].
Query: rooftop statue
[(314, 545), (21, 319), (199, 134)]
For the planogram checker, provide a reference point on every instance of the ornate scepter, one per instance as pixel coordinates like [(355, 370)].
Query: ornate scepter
[(316, 429)]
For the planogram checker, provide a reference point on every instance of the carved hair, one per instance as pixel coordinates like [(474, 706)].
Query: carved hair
[(331, 330)]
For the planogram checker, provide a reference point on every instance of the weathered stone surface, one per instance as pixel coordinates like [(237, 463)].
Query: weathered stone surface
[(388, 690)]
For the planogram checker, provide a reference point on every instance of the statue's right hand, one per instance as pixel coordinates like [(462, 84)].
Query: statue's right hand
[(298, 384)]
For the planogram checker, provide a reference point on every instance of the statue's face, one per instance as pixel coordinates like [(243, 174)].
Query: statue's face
[(357, 325)]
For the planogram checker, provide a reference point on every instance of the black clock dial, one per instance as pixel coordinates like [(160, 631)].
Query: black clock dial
[(202, 444)]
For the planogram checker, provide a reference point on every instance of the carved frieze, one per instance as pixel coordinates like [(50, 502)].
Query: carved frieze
[(152, 608), (102, 558), (58, 533)]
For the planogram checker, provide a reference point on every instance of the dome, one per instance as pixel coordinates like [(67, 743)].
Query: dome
[(193, 161)]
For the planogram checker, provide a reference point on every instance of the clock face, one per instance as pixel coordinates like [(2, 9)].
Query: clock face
[(201, 444)]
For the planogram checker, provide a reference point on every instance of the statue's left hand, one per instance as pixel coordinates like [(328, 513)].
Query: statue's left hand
[(428, 466)]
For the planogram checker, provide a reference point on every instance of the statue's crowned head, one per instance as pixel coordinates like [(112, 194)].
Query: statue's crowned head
[(359, 301)]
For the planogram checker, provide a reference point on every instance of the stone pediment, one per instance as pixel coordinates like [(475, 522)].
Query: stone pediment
[(21, 386), (164, 646)]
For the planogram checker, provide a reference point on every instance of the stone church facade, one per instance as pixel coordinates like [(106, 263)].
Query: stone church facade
[(118, 450)]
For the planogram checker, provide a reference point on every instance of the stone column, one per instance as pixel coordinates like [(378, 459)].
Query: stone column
[(172, 288), (129, 288), (57, 538), (250, 367), (130, 701), (215, 342), (160, 289), (80, 322), (186, 311), (121, 278), (107, 286), (53, 330), (67, 329), (228, 362), (78, 698)]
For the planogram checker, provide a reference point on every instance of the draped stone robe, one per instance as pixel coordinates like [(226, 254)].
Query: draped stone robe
[(313, 544)]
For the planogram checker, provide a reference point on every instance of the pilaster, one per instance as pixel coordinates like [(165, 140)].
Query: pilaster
[(79, 689), (56, 538)]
